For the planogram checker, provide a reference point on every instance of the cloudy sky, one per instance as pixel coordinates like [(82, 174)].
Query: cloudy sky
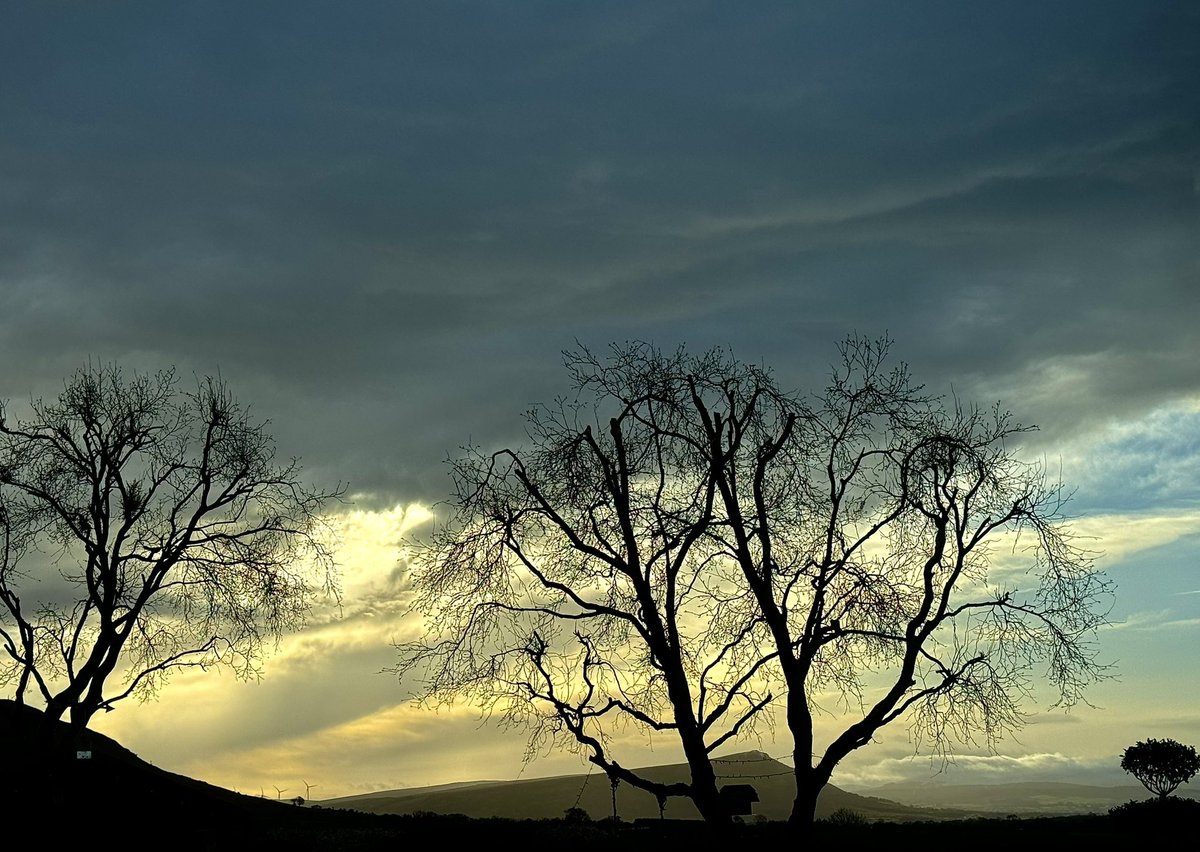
[(382, 222)]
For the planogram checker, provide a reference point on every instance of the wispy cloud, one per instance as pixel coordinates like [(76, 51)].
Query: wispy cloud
[(1148, 622), (1119, 536)]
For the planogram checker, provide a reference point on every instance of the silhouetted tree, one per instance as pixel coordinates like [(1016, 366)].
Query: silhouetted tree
[(574, 589), (146, 529), (576, 814), (864, 524), (683, 536), (1161, 765)]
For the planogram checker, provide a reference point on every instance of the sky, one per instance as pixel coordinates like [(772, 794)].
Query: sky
[(383, 222)]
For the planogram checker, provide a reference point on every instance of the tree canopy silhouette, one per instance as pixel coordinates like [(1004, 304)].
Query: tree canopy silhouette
[(683, 542), (1161, 765), (146, 529)]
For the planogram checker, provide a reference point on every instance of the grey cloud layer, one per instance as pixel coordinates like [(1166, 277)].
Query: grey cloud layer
[(382, 223)]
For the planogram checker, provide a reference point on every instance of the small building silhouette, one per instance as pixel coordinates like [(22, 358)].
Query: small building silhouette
[(739, 798)]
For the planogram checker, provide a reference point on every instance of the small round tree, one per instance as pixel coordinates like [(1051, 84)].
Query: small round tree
[(1161, 765)]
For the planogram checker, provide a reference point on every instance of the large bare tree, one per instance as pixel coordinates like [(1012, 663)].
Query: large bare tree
[(146, 529), (905, 560), (683, 540), (573, 589)]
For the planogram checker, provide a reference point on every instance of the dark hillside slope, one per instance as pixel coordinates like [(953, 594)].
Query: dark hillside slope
[(113, 793), (91, 772)]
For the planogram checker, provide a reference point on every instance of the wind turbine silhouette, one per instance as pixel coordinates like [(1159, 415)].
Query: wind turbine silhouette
[(308, 788), (279, 792)]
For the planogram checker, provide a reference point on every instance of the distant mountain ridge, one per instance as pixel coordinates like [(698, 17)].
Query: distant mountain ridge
[(550, 798), (1023, 798)]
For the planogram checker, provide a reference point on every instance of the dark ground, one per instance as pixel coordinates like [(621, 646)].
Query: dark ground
[(48, 794)]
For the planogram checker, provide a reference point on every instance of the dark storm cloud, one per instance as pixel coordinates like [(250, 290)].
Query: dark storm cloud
[(382, 222)]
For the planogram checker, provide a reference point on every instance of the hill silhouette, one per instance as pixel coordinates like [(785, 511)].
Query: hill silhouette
[(77, 788), (51, 795), (549, 798), (44, 769)]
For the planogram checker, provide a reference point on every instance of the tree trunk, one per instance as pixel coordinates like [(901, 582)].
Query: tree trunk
[(711, 806), (81, 715), (705, 793), (804, 806), (56, 708)]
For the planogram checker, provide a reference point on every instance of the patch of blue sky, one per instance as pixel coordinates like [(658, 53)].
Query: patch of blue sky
[(1162, 579), (1150, 464), (1155, 624)]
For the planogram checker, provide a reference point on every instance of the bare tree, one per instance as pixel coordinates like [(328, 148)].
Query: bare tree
[(572, 590), (865, 525), (684, 540), (146, 529)]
